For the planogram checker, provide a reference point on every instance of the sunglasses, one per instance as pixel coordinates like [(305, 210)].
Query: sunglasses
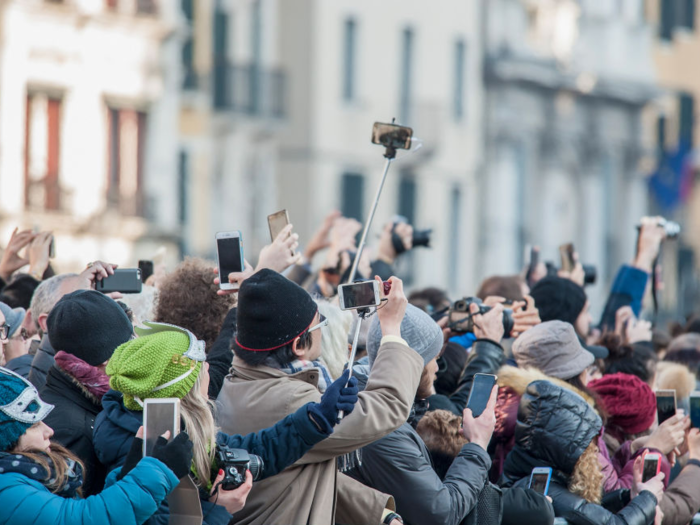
[(322, 322)]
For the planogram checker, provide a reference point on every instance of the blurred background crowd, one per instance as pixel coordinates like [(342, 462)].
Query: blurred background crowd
[(136, 129)]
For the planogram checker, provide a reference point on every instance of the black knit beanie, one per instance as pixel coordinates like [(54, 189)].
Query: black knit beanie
[(558, 299), (88, 325), (272, 312)]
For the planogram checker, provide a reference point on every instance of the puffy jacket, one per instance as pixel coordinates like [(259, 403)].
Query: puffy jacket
[(627, 290), (486, 357), (555, 426), (21, 365), (219, 356), (73, 421), (279, 446), (130, 501)]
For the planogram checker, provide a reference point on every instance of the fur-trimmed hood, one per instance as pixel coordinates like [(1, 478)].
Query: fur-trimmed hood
[(517, 380), (675, 376)]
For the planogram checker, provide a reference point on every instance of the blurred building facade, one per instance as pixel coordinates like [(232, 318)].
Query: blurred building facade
[(84, 152), (675, 128), (566, 85)]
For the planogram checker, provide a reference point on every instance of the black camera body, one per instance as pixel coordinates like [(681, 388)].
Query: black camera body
[(234, 462), (590, 272), (420, 237), (461, 319)]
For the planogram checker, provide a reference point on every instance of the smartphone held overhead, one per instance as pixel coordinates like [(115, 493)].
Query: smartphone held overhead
[(665, 404), (480, 393), (277, 222), (360, 295), (695, 409), (229, 253), (124, 280)]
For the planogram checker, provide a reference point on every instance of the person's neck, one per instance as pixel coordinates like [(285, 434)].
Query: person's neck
[(10, 354)]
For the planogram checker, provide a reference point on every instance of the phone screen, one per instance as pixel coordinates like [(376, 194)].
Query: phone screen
[(567, 257), (651, 466), (695, 411), (392, 135), (480, 393), (159, 416), (229, 249), (277, 222), (665, 406), (359, 295), (146, 268), (539, 483)]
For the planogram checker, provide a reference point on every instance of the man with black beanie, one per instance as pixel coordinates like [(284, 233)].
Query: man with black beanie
[(275, 370), (85, 327), (561, 299)]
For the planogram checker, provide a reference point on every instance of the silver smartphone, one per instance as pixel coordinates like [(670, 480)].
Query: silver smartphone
[(159, 416), (359, 295)]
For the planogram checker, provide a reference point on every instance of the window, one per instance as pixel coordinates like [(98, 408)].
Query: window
[(221, 86), (406, 75), (256, 84), (349, 60), (460, 55), (686, 118), (686, 14), (190, 76), (407, 208), (352, 196), (125, 149), (455, 219), (42, 143), (183, 180), (668, 15)]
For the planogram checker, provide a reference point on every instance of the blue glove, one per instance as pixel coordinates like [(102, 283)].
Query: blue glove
[(337, 397)]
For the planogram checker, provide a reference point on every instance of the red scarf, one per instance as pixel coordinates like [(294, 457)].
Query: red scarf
[(91, 378)]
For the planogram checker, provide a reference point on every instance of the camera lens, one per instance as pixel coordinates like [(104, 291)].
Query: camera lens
[(422, 238), (508, 322), (590, 274), (256, 465)]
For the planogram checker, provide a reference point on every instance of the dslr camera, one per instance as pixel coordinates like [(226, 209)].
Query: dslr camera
[(234, 462), (420, 237), (461, 319)]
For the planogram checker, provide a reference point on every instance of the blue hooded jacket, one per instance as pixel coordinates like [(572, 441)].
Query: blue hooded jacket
[(279, 446), (127, 502)]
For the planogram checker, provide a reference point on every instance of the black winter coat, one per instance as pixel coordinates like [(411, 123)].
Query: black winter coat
[(486, 357), (220, 355), (73, 421), (41, 364), (555, 426)]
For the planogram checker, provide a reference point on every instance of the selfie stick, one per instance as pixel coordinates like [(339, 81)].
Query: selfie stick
[(362, 314), (390, 155)]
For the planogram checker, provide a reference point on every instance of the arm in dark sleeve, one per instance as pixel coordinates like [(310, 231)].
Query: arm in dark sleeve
[(299, 273), (220, 355), (382, 269), (282, 444), (526, 506), (18, 293), (397, 465), (627, 290), (486, 357)]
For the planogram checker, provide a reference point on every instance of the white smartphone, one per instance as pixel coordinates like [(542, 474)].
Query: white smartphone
[(229, 252), (277, 222), (159, 416), (359, 295)]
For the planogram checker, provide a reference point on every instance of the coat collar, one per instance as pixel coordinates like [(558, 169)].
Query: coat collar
[(65, 386), (242, 370)]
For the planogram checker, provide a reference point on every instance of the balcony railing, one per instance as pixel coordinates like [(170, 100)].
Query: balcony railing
[(249, 89)]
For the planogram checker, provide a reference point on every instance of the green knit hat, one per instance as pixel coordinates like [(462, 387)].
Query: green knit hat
[(164, 361)]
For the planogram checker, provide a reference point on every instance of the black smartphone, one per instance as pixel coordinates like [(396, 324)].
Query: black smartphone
[(392, 135), (695, 409), (229, 250), (480, 393), (146, 268), (665, 404), (124, 280)]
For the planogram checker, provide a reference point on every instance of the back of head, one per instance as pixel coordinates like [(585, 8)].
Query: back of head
[(441, 432), (559, 299), (187, 297), (638, 359), (628, 401), (272, 312), (509, 287), (685, 349), (88, 325), (430, 300), (553, 348), (48, 293), (334, 352), (555, 426), (419, 331)]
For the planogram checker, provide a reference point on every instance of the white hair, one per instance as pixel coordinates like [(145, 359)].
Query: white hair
[(47, 294), (334, 346)]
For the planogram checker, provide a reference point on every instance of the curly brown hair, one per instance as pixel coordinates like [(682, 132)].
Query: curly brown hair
[(442, 434), (187, 298), (587, 478)]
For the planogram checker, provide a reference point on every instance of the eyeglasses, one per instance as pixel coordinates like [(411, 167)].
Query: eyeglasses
[(4, 331), (322, 322)]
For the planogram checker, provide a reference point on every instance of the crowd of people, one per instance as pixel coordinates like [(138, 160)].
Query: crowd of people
[(388, 438)]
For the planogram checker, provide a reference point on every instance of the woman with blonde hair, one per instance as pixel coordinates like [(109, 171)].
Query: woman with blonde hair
[(557, 428), (334, 349), (168, 361)]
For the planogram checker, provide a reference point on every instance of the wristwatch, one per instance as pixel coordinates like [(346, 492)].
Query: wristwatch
[(391, 517)]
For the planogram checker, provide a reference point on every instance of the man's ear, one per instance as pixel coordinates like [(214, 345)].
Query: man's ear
[(42, 323), (299, 352)]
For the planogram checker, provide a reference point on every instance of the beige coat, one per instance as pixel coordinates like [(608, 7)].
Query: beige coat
[(311, 491)]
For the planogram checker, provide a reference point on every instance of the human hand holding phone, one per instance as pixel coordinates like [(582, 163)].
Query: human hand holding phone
[(655, 485), (669, 434), (11, 259), (235, 278), (392, 313), (281, 254), (479, 430), (38, 253)]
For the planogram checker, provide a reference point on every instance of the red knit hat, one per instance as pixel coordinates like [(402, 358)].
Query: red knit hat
[(628, 400)]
